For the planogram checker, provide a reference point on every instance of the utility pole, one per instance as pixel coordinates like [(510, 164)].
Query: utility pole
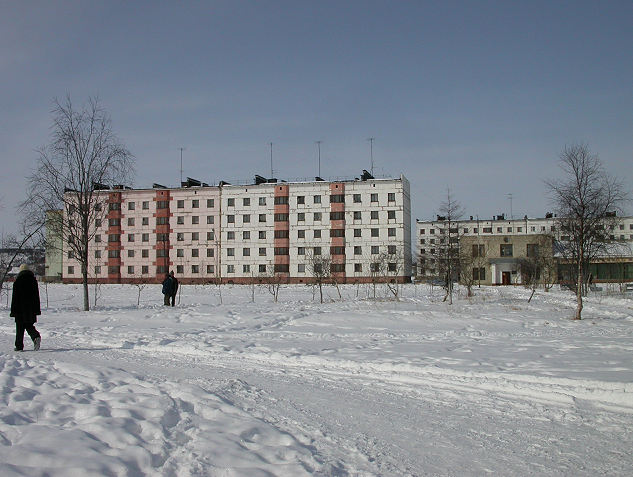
[(181, 149), (318, 143), (371, 153), (511, 213), (272, 174)]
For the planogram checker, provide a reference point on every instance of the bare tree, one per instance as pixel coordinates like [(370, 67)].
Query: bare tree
[(538, 267), (393, 266), (447, 248), (82, 156), (319, 266), (586, 200)]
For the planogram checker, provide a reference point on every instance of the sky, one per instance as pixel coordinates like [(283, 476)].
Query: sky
[(478, 98)]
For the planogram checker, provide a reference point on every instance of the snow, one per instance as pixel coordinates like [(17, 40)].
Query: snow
[(223, 386)]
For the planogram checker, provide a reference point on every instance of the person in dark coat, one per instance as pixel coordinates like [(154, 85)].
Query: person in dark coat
[(25, 306), (174, 282), (168, 289)]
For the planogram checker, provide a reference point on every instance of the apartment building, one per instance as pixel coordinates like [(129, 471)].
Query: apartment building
[(264, 231), (506, 243)]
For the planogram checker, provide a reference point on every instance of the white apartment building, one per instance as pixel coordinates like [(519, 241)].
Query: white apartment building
[(259, 232), (430, 234)]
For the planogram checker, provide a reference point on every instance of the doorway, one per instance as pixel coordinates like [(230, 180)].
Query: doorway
[(506, 278)]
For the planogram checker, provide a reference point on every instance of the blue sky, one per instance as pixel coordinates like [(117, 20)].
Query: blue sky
[(476, 96)]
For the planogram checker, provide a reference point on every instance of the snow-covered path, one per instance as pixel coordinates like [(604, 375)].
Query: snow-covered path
[(352, 387)]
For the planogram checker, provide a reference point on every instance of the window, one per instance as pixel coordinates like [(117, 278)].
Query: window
[(262, 269), (246, 235), (97, 254), (282, 251), (145, 221), (262, 201), (337, 199), (210, 203), (391, 232), (195, 252), (230, 252), (373, 215), (281, 200), (230, 219), (318, 216), (317, 233), (98, 270), (180, 220), (210, 219), (422, 231), (114, 238), (145, 253), (130, 237), (161, 252), (114, 270), (357, 232), (195, 203), (487, 230), (130, 253), (130, 221), (505, 250), (357, 198), (210, 252), (179, 269), (301, 217), (391, 215), (391, 249), (519, 229), (180, 237), (180, 204), (246, 252), (230, 202), (391, 196), (262, 217), (262, 234), (509, 229), (499, 230), (316, 199), (301, 268), (301, 199), (374, 197), (97, 222), (357, 215), (479, 251), (246, 219), (114, 206), (301, 251), (337, 232), (71, 270), (391, 267), (162, 220), (337, 267), (479, 273), (246, 269), (180, 252), (246, 201), (262, 251), (374, 267), (316, 251), (374, 232), (114, 253), (97, 238), (358, 267), (282, 234), (114, 222), (210, 268), (358, 250), (145, 205), (301, 234), (195, 220), (280, 268), (144, 269), (195, 268), (375, 249), (211, 235), (466, 230), (283, 217), (337, 215), (162, 204), (532, 250), (130, 270)]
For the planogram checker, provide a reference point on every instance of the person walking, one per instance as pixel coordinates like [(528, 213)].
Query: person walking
[(168, 287), (25, 306), (174, 282)]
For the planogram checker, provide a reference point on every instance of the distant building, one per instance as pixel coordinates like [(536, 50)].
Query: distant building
[(264, 231), (54, 247)]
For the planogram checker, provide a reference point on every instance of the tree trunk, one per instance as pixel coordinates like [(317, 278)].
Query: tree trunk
[(579, 285), (84, 279)]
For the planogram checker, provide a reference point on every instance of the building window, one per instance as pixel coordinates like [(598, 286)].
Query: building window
[(180, 269), (337, 232), (337, 199), (230, 252), (479, 250), (195, 252), (358, 267), (357, 215), (358, 250), (246, 235), (282, 217), (130, 253), (246, 269), (337, 267), (162, 253), (180, 237), (130, 221), (230, 219), (357, 232), (145, 253), (487, 230), (391, 232), (282, 234), (262, 269), (210, 268), (97, 238), (391, 196), (317, 233), (373, 215), (180, 204), (375, 249), (262, 234), (210, 219), (246, 201), (162, 220), (114, 270), (281, 200), (375, 232), (145, 221), (145, 205), (316, 251), (195, 268), (195, 220), (145, 237), (505, 250), (337, 215), (532, 250), (262, 251), (114, 222), (230, 235), (144, 269), (301, 251), (374, 197), (479, 273), (195, 203), (301, 268), (391, 249), (282, 251), (262, 201), (357, 198), (130, 270), (98, 270), (162, 204), (97, 254), (316, 199), (97, 222), (318, 216), (262, 217), (211, 235), (281, 268), (301, 234), (130, 237), (210, 203), (246, 252), (71, 270), (114, 206), (499, 230), (180, 220), (391, 215), (301, 217), (180, 252), (210, 252), (114, 238), (230, 269), (391, 267), (246, 219), (301, 199), (230, 202)]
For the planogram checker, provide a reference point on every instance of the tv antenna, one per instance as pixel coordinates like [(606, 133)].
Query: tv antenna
[(272, 174), (181, 149), (371, 153), (510, 199), (318, 143)]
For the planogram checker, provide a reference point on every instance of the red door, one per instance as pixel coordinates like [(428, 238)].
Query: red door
[(506, 278)]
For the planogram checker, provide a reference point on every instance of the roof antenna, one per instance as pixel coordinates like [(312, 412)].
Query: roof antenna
[(181, 149), (318, 143), (371, 153)]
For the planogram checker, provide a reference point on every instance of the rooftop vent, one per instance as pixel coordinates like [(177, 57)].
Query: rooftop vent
[(158, 186), (366, 175)]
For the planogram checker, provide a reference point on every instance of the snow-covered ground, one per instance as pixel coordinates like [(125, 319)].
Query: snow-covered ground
[(226, 387)]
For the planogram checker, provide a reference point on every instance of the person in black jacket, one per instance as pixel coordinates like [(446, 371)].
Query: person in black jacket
[(25, 306), (168, 289), (174, 290)]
